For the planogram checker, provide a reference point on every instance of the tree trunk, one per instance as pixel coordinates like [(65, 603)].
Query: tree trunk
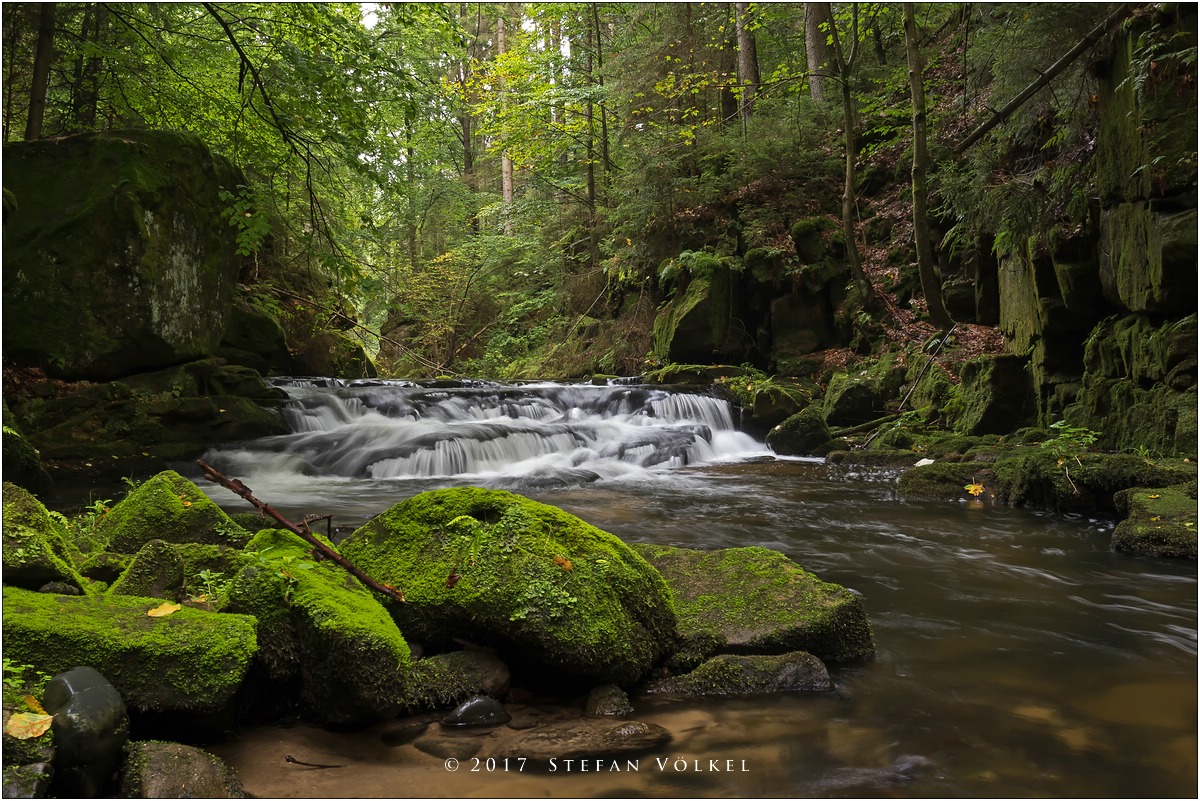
[(86, 86), (466, 124), (747, 60), (506, 165), (604, 156), (818, 27), (845, 68), (41, 73), (930, 285), (590, 120), (13, 17)]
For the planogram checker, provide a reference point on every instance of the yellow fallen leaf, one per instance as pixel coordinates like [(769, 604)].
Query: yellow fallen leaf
[(33, 704), (27, 725), (1153, 496), (163, 610), (563, 562), (1154, 519), (974, 489)]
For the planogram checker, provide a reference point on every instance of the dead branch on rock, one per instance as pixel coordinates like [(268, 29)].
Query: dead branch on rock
[(241, 490)]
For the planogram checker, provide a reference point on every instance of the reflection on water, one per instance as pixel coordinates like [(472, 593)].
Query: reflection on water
[(1017, 655)]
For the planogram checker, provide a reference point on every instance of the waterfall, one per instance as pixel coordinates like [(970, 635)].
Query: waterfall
[(560, 433)]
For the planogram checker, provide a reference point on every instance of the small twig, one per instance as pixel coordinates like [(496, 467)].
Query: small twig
[(241, 490), (294, 761)]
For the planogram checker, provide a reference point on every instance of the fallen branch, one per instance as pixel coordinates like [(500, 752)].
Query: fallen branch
[(241, 490), (858, 429)]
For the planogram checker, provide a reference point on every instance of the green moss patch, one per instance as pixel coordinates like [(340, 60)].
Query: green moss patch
[(1159, 522), (494, 567), (35, 549), (186, 661), (755, 600), (168, 507), (322, 629)]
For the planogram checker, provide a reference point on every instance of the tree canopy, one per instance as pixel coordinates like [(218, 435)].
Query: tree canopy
[(484, 187)]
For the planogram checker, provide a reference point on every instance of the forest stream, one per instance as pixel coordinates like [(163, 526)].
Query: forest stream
[(1017, 655)]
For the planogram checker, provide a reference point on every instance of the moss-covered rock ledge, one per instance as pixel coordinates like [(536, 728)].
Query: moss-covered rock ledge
[(757, 601), (538, 583)]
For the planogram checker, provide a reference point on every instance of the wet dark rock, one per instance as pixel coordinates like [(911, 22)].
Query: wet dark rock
[(28, 781), (730, 674), (444, 679), (60, 588), (586, 739), (90, 729), (607, 701), (171, 770), (481, 710), (522, 722)]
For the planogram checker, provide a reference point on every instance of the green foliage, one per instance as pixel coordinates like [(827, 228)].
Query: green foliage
[(752, 383), (1071, 442), (22, 680), (283, 568), (244, 215)]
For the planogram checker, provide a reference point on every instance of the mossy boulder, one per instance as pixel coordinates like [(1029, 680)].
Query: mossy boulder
[(255, 338), (187, 661), (1158, 522), (118, 258), (995, 395), (333, 353), (856, 397), (36, 550), (740, 675), (171, 414), (22, 462), (167, 507), (156, 571), (803, 434), (155, 769), (943, 480), (757, 601), (323, 632), (536, 582)]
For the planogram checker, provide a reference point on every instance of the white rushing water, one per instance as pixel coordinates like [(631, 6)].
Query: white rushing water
[(557, 434)]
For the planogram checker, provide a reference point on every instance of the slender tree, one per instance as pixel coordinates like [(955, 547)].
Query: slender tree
[(930, 284), (41, 72), (506, 165), (748, 76), (818, 23), (845, 69)]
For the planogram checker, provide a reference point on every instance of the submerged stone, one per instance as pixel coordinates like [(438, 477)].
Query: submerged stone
[(585, 739), (607, 701), (444, 679), (755, 600), (496, 568), (736, 675)]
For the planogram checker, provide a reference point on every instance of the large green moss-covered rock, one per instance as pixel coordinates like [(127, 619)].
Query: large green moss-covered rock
[(995, 395), (497, 568), (117, 258), (322, 632), (22, 463), (1158, 522), (803, 434), (167, 507), (755, 600), (156, 571), (189, 660), (256, 339), (859, 396), (36, 551)]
